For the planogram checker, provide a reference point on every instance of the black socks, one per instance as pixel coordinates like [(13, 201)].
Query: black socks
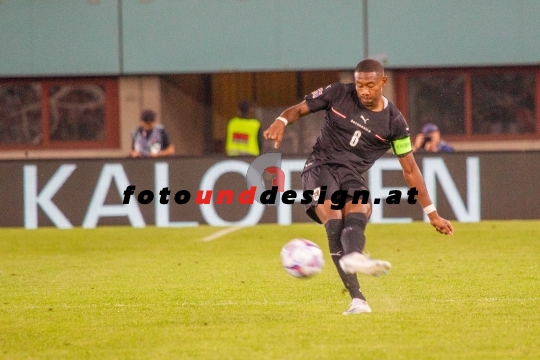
[(352, 235), (334, 229)]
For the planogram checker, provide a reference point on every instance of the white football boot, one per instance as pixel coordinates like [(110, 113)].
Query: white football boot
[(356, 263), (358, 306)]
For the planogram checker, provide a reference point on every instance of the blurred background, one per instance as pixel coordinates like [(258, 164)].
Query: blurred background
[(74, 75)]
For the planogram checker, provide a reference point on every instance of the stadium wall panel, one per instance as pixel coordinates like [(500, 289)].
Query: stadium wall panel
[(427, 33), (116, 37), (47, 38), (259, 35), (466, 187)]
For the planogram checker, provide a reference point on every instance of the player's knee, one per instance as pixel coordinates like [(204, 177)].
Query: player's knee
[(368, 212), (351, 208), (325, 214)]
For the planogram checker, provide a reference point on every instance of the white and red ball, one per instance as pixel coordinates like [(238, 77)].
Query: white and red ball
[(302, 258)]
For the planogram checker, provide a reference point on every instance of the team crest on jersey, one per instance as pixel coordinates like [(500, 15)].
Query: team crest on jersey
[(317, 93), (316, 194)]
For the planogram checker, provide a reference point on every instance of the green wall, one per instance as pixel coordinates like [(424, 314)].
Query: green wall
[(227, 35), (58, 37), (98, 37), (418, 33)]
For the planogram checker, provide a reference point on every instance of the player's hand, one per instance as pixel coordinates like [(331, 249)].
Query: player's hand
[(443, 226), (275, 133)]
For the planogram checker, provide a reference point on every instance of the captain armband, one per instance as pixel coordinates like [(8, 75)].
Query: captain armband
[(402, 146)]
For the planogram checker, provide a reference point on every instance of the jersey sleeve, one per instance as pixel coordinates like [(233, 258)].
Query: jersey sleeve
[(322, 98), (401, 136)]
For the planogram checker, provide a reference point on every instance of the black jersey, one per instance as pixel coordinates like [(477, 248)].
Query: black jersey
[(351, 134)]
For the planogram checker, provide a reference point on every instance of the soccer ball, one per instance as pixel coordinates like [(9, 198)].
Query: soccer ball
[(302, 258)]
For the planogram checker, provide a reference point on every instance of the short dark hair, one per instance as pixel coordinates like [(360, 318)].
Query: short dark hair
[(243, 107), (369, 65), (148, 116)]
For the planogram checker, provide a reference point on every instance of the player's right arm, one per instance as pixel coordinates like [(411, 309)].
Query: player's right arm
[(320, 99), (276, 130)]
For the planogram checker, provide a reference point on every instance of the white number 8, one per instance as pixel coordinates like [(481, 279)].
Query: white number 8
[(355, 138)]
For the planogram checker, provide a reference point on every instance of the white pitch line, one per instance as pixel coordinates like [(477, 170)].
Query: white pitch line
[(221, 233)]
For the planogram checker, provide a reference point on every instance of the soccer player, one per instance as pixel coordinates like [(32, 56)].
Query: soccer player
[(360, 126)]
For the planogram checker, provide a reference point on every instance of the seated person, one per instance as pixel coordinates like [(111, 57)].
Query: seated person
[(150, 139), (429, 140)]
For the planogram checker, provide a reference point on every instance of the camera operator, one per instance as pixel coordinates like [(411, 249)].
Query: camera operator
[(429, 140)]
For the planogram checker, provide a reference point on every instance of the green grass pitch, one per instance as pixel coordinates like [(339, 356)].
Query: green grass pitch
[(154, 293)]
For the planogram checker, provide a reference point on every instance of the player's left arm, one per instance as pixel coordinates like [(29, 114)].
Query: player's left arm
[(414, 179)]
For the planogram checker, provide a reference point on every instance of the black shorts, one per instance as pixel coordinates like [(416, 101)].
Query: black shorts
[(335, 177)]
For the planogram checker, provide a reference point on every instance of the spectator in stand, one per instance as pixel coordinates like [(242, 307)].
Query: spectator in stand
[(429, 140), (150, 139)]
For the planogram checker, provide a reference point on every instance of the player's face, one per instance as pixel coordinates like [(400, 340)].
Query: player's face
[(369, 87)]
